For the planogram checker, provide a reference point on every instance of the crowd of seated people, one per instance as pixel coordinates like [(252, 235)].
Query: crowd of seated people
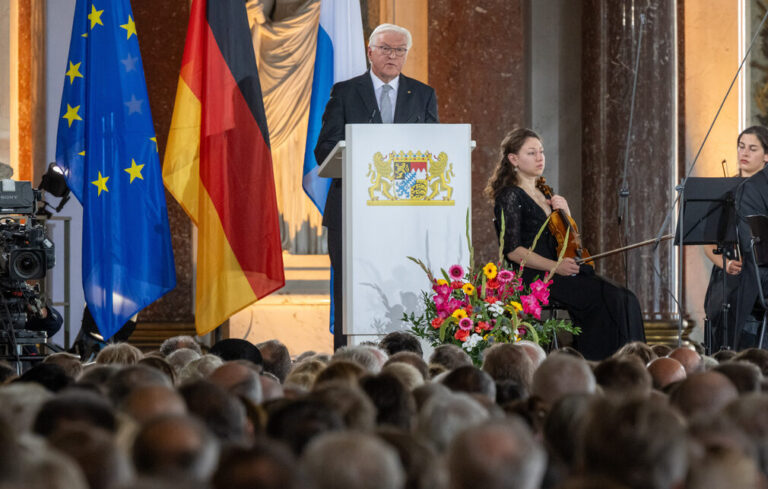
[(385, 416)]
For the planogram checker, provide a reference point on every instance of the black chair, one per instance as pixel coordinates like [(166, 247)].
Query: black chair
[(758, 229)]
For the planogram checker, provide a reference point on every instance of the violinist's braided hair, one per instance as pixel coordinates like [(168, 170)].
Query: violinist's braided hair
[(505, 174)]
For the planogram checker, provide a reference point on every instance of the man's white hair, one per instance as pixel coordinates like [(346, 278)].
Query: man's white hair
[(391, 28)]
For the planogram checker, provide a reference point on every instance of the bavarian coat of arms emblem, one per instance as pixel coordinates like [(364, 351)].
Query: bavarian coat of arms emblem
[(412, 178)]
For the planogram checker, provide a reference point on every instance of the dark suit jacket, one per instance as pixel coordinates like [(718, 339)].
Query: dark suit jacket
[(354, 102), (751, 199)]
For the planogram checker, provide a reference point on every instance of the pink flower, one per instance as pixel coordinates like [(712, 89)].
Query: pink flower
[(465, 324), (444, 289), (440, 300), (531, 305), (456, 272), (505, 276), (540, 290)]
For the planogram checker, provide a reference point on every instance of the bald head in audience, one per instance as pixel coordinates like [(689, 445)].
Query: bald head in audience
[(562, 374), (665, 371), (688, 358)]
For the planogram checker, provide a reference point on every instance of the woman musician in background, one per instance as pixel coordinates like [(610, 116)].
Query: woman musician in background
[(608, 315), (752, 151)]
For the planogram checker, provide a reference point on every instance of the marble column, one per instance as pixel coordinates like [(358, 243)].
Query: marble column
[(162, 29), (477, 66), (611, 31)]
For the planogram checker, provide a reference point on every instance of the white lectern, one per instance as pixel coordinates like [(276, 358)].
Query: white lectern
[(406, 192)]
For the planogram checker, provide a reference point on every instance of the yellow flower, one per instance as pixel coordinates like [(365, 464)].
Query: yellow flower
[(516, 305), (442, 281), (459, 314), (490, 271), (468, 289)]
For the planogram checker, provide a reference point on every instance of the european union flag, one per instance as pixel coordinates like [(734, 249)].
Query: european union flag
[(107, 149)]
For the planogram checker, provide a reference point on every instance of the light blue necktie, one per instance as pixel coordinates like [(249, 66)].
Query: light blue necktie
[(387, 113)]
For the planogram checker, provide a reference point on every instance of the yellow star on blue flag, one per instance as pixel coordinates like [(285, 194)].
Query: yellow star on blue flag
[(127, 255)]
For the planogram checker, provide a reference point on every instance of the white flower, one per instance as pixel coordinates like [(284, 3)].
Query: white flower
[(505, 330), (496, 309), (472, 341)]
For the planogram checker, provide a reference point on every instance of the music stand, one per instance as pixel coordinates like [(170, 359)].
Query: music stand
[(710, 218)]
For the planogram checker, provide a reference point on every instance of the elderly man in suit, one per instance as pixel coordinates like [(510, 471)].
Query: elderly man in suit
[(381, 95), (751, 199)]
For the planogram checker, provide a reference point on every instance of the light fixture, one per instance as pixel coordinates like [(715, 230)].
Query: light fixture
[(55, 184)]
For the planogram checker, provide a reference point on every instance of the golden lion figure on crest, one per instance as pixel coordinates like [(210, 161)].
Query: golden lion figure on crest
[(439, 177), (380, 178)]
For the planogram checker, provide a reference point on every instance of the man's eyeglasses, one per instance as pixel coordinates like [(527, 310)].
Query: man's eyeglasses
[(399, 52)]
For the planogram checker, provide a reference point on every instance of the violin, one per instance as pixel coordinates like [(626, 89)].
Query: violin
[(560, 225)]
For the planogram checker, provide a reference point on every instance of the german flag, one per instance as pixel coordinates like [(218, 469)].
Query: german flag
[(218, 164)]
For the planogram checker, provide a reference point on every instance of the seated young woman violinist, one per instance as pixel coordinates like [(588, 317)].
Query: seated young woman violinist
[(608, 315)]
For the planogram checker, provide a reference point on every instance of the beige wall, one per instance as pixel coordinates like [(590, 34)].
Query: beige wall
[(411, 14), (711, 37)]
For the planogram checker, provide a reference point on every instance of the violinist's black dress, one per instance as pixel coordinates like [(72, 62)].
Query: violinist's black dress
[(609, 315)]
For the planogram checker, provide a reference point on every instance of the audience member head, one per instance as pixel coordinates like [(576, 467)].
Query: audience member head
[(96, 377), (103, 464), (445, 415), (340, 371), (222, 413), (178, 359), (450, 356), (757, 356), (471, 380), (240, 378), (534, 351), (665, 371), (151, 401), (406, 373), (688, 358), (723, 356), (297, 422), (413, 359), (20, 403), (563, 427), (6, 372), (46, 468), (364, 355), (177, 447), (661, 350), (748, 414), (560, 375), (75, 407), (126, 380), (394, 403), (425, 392), (350, 460), (304, 373), (160, 364), (271, 388), (49, 375), (199, 369), (744, 375), (350, 402), (119, 354), (276, 358), (624, 376), (264, 465), (177, 343), (398, 341), (69, 362), (505, 361), (499, 454), (639, 349), (640, 443), (424, 469), (723, 466), (237, 349)]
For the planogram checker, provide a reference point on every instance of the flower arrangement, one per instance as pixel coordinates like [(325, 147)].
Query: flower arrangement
[(477, 308)]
